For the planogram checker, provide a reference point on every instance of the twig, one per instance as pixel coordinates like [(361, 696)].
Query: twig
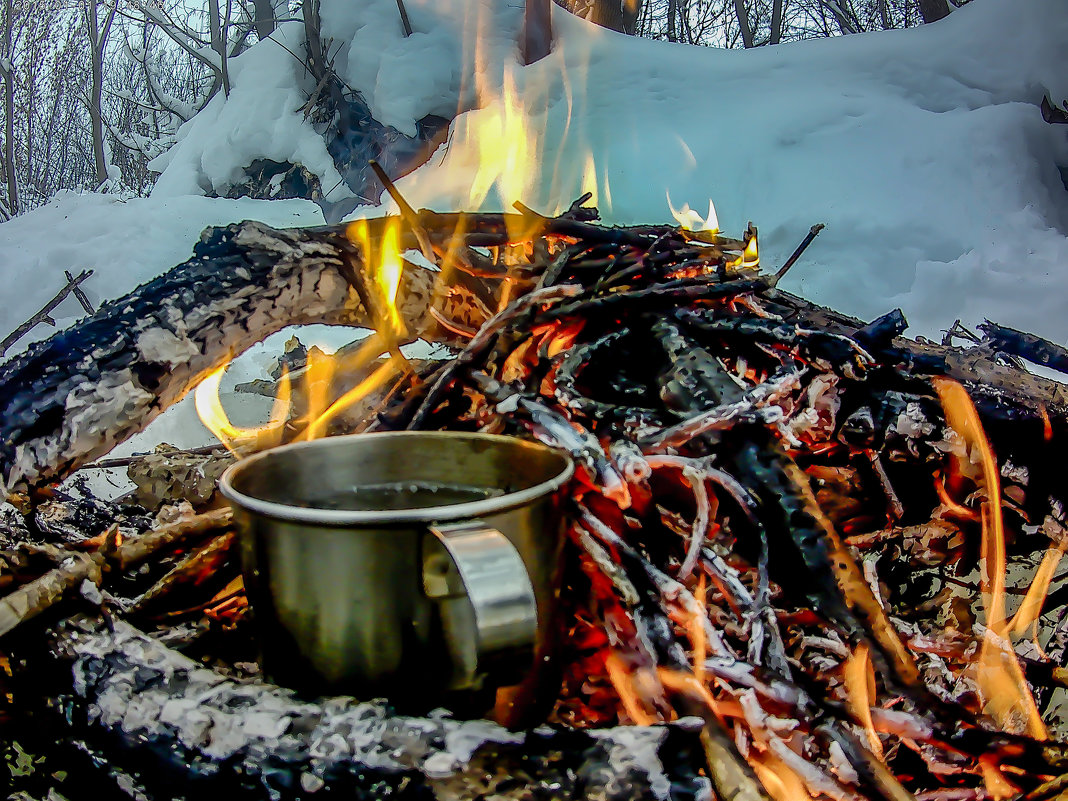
[(812, 234), (126, 461), (42, 593), (404, 19), (80, 295), (44, 315), (406, 211)]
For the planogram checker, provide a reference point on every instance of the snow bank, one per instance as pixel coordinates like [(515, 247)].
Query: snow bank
[(261, 118), (923, 150)]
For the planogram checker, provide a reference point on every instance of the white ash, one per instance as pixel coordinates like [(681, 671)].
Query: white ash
[(91, 592), (637, 746), (147, 692), (1012, 472), (913, 422)]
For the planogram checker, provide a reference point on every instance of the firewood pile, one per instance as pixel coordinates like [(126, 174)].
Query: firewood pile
[(808, 557)]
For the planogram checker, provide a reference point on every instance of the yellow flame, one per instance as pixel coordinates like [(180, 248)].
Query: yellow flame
[(389, 271), (750, 256), (999, 676), (589, 179), (350, 398), (213, 416), (382, 260), (690, 220), (860, 691)]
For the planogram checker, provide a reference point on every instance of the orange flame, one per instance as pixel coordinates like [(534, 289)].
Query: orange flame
[(999, 676), (697, 633), (626, 685), (860, 691), (781, 782), (1031, 608)]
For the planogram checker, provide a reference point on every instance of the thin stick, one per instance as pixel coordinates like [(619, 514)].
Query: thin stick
[(80, 295), (44, 315), (406, 211), (126, 461), (42, 593), (812, 233), (404, 19)]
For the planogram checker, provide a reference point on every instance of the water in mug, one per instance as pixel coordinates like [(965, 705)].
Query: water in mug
[(397, 495)]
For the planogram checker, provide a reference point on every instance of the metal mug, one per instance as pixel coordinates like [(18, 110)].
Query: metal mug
[(423, 567)]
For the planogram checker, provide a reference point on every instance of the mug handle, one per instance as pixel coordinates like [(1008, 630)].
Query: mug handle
[(496, 584)]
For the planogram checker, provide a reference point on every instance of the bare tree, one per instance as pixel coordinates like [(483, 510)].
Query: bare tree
[(98, 39), (7, 70), (743, 23)]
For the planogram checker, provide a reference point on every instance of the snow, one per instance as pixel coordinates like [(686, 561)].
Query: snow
[(922, 150), (261, 118)]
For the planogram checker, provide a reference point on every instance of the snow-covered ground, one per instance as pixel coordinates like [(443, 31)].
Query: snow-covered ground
[(922, 150)]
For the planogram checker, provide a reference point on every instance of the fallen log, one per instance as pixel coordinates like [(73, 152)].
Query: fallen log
[(186, 727), (73, 397)]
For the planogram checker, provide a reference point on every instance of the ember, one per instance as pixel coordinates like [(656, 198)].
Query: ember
[(774, 525)]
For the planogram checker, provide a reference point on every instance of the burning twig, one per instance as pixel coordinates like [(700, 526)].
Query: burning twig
[(41, 594)]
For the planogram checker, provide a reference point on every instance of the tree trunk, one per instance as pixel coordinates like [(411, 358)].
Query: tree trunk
[(98, 38), (933, 10), (7, 69), (776, 22), (672, 21), (264, 21), (743, 23), (607, 14), (537, 37), (218, 43), (631, 11)]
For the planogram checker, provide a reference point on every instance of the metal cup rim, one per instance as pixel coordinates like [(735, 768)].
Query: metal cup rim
[(342, 517)]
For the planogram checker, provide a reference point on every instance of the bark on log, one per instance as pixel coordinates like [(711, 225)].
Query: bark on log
[(261, 741), (76, 395)]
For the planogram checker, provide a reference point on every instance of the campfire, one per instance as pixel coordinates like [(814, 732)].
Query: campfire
[(806, 557)]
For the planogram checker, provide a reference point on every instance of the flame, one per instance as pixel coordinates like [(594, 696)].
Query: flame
[(781, 782), (1031, 608), (750, 256), (213, 416), (627, 688), (385, 265), (690, 220), (860, 691), (998, 673)]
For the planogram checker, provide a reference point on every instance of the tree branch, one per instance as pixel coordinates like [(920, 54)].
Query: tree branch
[(44, 315)]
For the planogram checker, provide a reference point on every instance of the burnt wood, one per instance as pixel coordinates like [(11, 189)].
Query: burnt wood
[(180, 727), (76, 395)]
